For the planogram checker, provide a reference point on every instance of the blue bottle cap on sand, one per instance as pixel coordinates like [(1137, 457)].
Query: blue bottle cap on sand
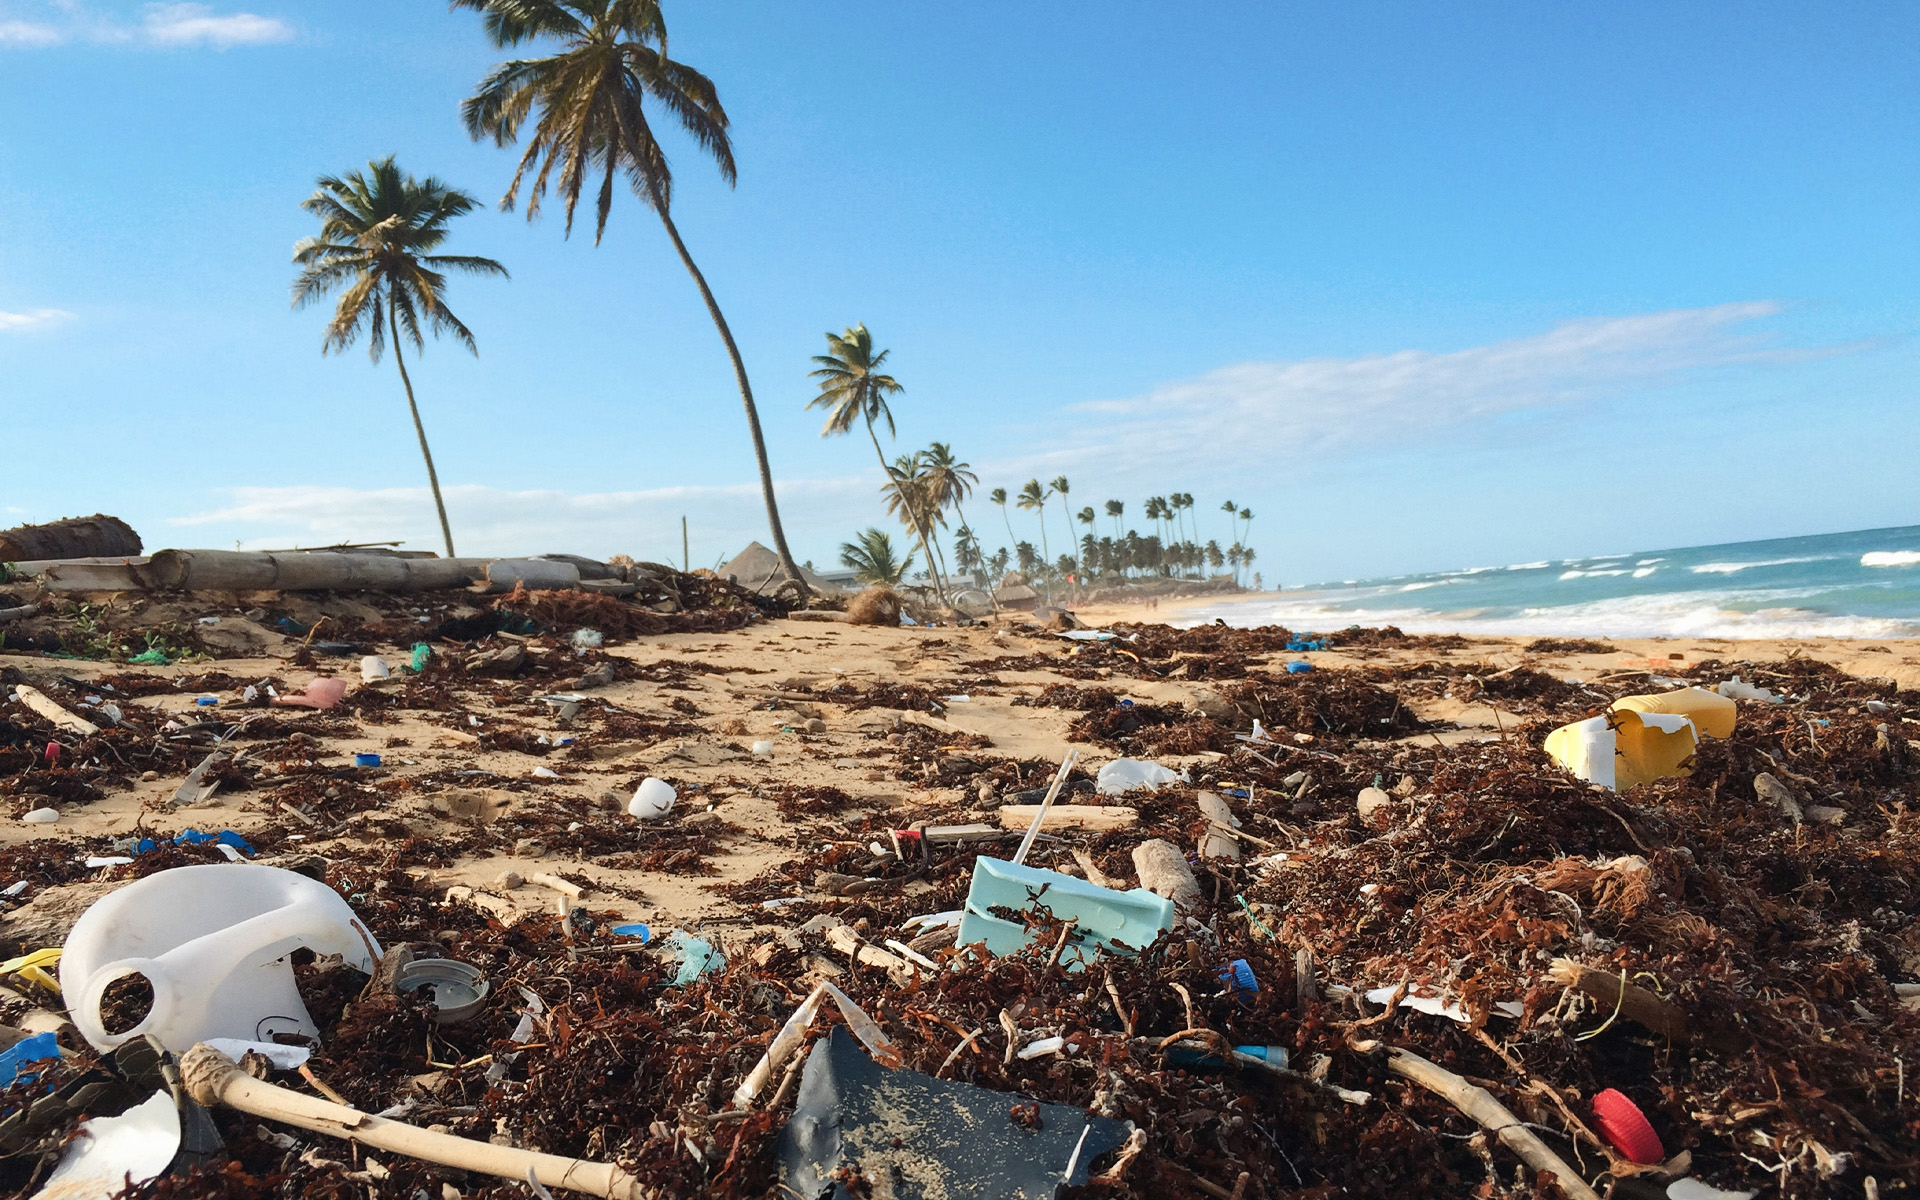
[(1239, 973), (366, 760), (635, 930)]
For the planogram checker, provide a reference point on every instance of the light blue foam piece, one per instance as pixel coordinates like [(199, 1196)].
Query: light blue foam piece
[(1117, 922)]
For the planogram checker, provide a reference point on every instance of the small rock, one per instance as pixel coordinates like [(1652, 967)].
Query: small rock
[(530, 847), (511, 880), (1371, 801), (1209, 703), (1826, 814), (1772, 791), (816, 725), (149, 776), (1294, 780), (989, 795)]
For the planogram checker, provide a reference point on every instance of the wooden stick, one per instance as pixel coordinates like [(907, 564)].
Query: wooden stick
[(1039, 816), (1493, 1116), (1096, 818), (34, 699), (1634, 1002), (212, 1078), (565, 887)]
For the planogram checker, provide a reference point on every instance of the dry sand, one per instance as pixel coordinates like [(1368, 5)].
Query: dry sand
[(715, 770)]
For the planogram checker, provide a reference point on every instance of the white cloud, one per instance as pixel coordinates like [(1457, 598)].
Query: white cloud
[(28, 34), (198, 25), (171, 25), (1261, 412), (488, 520), (32, 318)]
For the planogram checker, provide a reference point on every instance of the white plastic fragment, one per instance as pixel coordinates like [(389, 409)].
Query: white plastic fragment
[(374, 667), (1124, 775), (653, 798), (42, 816), (763, 748), (1692, 1189), (1739, 689), (138, 1144), (545, 773), (1439, 1006), (283, 1058), (1045, 1045)]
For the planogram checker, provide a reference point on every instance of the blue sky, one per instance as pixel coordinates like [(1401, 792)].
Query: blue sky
[(1423, 287)]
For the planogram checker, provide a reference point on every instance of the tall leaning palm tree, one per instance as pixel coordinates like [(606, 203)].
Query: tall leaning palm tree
[(949, 479), (379, 229), (589, 103)]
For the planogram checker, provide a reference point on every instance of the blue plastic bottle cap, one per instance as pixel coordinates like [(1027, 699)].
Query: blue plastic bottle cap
[(1126, 704), (366, 760), (635, 930), (1239, 973)]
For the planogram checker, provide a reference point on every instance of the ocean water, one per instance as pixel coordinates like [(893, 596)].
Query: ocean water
[(1864, 584)]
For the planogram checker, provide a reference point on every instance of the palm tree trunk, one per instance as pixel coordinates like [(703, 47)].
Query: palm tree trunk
[(933, 568), (433, 477), (1009, 522), (746, 394)]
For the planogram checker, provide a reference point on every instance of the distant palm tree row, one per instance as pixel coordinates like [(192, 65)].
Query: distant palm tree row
[(921, 486)]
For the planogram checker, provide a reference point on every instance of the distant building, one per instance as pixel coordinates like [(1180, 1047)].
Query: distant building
[(1014, 593), (755, 567)]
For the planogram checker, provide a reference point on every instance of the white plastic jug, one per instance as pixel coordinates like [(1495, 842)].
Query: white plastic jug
[(653, 798), (213, 942)]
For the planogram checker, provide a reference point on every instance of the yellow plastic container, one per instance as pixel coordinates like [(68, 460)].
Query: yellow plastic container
[(1711, 713), (1641, 738)]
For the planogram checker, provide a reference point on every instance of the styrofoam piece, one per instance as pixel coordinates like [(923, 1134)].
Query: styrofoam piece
[(1105, 919), (213, 942)]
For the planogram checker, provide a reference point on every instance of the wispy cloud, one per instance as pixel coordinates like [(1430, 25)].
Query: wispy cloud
[(33, 318), (487, 520), (159, 25), (1262, 411)]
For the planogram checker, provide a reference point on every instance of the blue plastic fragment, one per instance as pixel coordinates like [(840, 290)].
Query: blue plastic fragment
[(1104, 919), (24, 1051), (193, 837), (1299, 668), (366, 760), (635, 930), (697, 957)]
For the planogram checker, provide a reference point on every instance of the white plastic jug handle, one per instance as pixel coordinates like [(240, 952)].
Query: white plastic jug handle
[(86, 1007)]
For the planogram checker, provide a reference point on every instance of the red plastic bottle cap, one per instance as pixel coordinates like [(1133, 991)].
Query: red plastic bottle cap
[(1625, 1126)]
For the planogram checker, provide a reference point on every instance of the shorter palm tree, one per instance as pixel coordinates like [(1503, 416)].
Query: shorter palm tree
[(1033, 498), (1114, 509), (379, 229), (871, 557), (999, 496)]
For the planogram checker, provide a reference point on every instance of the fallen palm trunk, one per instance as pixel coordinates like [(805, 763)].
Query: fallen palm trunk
[(213, 1078), (75, 537), (1493, 1116)]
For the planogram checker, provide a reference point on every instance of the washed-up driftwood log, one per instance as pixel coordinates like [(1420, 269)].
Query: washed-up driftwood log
[(1162, 867), (98, 536), (213, 1078)]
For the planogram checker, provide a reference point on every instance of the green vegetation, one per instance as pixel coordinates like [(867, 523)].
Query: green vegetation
[(873, 559)]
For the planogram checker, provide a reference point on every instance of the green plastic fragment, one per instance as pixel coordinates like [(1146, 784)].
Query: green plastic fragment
[(151, 658), (421, 653)]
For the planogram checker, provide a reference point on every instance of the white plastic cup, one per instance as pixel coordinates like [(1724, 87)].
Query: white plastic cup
[(654, 798), (374, 667)]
